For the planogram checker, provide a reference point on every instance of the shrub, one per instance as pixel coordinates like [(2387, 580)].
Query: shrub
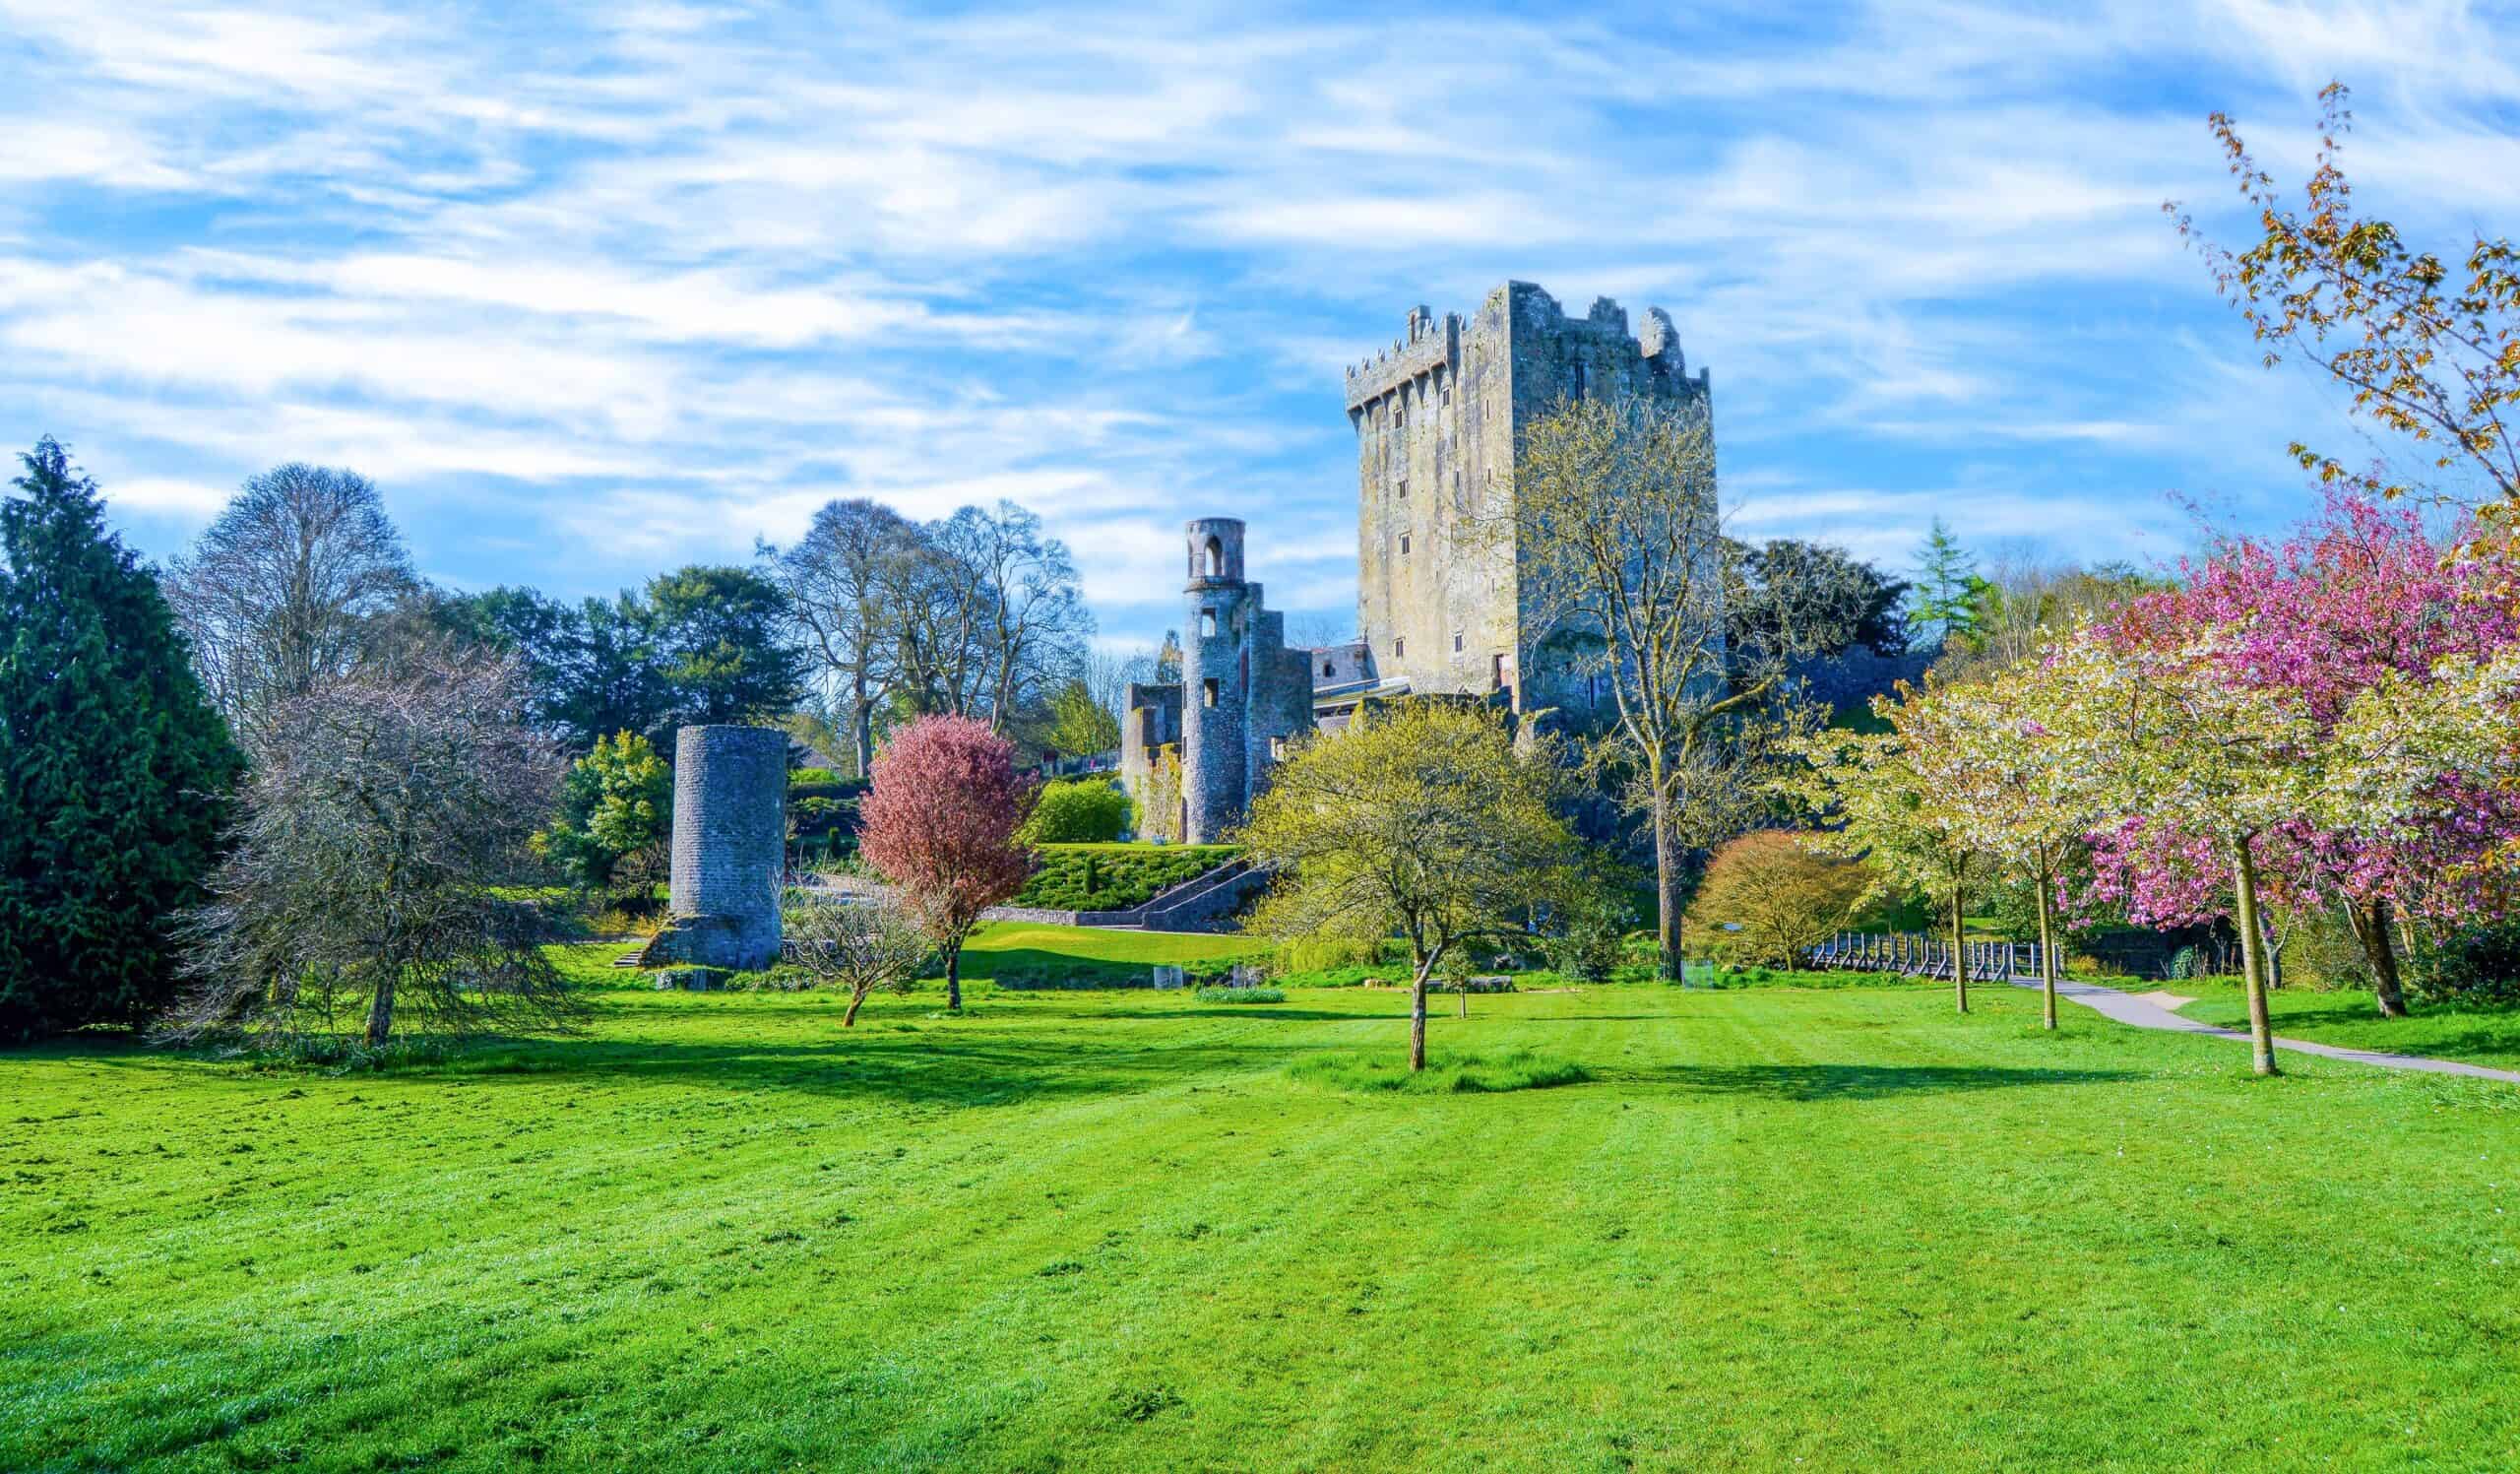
[(1774, 899), (1240, 996), (808, 776), (2479, 966), (1592, 946), (1086, 810)]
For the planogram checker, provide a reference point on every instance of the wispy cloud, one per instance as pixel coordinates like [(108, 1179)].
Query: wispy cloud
[(593, 290)]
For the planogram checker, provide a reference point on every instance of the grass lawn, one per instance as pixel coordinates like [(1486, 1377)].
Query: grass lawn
[(1749, 1228), (2479, 1034)]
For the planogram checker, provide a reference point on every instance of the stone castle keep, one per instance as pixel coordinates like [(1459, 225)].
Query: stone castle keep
[(1439, 612)]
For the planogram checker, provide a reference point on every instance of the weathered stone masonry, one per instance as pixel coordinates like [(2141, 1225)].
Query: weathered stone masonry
[(1243, 695), (729, 845), (1437, 420)]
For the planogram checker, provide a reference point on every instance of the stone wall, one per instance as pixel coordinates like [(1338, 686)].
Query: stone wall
[(730, 844)]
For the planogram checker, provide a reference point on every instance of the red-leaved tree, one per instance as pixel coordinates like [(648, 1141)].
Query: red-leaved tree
[(940, 824)]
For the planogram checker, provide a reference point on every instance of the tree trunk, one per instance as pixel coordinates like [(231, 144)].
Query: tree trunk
[(954, 978), (857, 996), (1959, 945), (2047, 957), (1417, 1023), (2261, 1032), (861, 725), (1667, 885), (2371, 928), (1465, 1000), (380, 1011)]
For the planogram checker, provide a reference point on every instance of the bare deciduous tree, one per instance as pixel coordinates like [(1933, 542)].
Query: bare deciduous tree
[(382, 818), (287, 589), (1626, 568), (841, 578), (1030, 618), (857, 945)]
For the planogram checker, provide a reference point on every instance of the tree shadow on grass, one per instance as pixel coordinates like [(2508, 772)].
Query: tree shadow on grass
[(1812, 1083), (1247, 1011), (927, 1066)]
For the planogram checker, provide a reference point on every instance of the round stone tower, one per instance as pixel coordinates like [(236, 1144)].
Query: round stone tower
[(730, 844), (1216, 683)]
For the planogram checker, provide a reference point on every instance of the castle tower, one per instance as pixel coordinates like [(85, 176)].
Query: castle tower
[(1438, 417), (1216, 683), (730, 844)]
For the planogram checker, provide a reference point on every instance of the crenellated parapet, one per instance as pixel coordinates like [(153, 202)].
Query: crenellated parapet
[(1429, 346)]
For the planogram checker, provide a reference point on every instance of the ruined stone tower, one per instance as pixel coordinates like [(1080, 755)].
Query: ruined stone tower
[(1216, 681), (730, 844), (1242, 695), (1437, 418)]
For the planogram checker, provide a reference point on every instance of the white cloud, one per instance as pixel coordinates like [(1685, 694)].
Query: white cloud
[(653, 279)]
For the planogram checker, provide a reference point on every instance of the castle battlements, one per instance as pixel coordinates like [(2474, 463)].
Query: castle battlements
[(1429, 346)]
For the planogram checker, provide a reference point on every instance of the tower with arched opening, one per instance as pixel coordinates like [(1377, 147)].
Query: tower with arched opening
[(1243, 696)]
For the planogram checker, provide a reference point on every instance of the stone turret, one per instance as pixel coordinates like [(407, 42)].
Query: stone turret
[(1216, 681), (730, 844)]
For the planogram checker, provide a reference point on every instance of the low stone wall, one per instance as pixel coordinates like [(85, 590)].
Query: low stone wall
[(1061, 918)]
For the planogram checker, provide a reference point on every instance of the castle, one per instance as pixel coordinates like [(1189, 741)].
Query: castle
[(1442, 607)]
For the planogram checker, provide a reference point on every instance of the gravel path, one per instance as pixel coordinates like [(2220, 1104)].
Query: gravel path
[(2127, 1008)]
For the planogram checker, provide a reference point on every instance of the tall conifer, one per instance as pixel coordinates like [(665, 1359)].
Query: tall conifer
[(114, 770)]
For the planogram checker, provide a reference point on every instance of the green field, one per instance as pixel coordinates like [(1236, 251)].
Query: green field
[(1765, 1228), (2481, 1035)]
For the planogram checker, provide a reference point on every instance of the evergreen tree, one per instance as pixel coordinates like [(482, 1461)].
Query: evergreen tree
[(1944, 602), (115, 771)]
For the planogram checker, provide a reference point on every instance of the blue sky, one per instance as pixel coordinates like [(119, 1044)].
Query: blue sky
[(592, 290)]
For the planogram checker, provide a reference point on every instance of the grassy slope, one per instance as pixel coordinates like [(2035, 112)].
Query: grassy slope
[(1111, 1230), (2348, 1018)]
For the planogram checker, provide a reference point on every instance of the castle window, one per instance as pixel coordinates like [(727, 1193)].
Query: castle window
[(1403, 488), (1208, 691), (1448, 394), (1208, 623), (1456, 642), (1216, 562), (1326, 670), (1496, 670), (1277, 749), (1399, 647), (1404, 545), (1399, 415)]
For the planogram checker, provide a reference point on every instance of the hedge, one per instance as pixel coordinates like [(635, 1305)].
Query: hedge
[(1115, 877)]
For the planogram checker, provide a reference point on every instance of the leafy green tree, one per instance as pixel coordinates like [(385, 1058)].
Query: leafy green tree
[(1944, 602), (1886, 798), (720, 637), (1079, 723), (616, 813), (115, 770), (1425, 821)]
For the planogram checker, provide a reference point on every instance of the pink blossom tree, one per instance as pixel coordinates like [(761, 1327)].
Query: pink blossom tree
[(2358, 606), (941, 823)]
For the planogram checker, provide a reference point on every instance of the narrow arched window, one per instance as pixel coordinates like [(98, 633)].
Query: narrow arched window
[(1215, 559)]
